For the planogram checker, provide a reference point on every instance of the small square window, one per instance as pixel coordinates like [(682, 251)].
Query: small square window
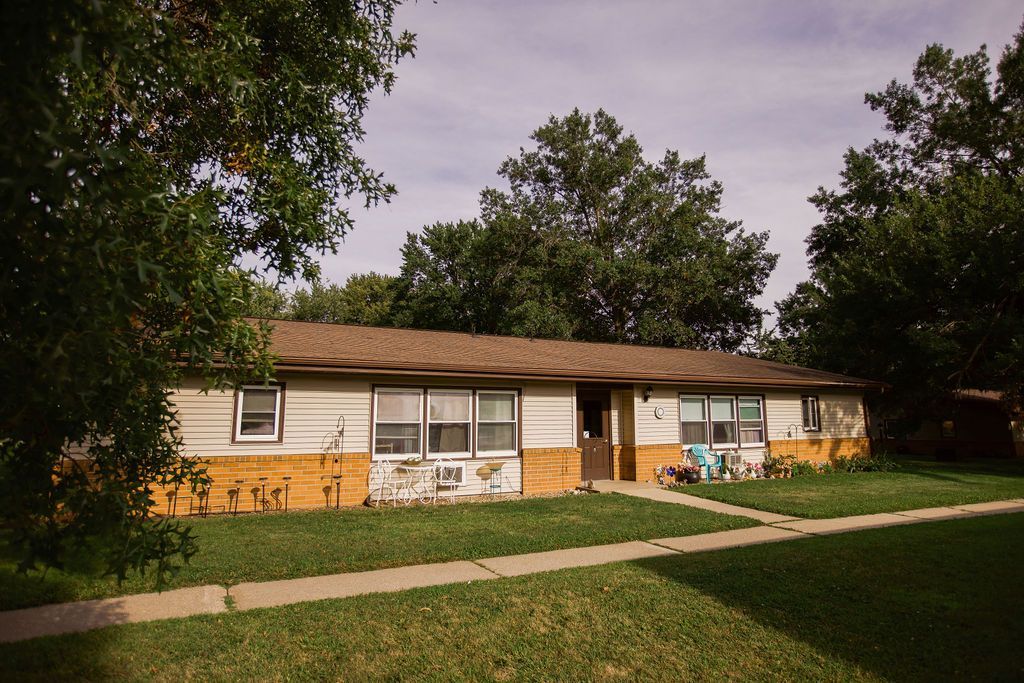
[(258, 413)]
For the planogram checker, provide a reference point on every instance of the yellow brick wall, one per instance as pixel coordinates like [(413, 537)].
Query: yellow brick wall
[(649, 456), (820, 450), (619, 454), (311, 484), (547, 470)]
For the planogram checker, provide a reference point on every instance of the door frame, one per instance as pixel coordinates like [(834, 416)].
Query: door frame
[(605, 396)]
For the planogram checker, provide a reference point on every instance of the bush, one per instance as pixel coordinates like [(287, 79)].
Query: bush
[(777, 464), (862, 463), (804, 467)]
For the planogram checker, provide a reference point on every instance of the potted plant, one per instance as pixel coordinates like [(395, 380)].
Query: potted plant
[(691, 474)]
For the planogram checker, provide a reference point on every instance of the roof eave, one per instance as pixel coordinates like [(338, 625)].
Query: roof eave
[(363, 367)]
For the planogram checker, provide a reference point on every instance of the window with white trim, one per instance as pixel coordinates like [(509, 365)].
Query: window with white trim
[(723, 421), (751, 421), (811, 410), (693, 417), (398, 421), (497, 423), (258, 413), (449, 424)]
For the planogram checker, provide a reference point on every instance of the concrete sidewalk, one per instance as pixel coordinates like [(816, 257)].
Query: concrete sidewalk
[(640, 489), (286, 592), (74, 617)]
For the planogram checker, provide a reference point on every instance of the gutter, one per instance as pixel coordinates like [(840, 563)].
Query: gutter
[(325, 366)]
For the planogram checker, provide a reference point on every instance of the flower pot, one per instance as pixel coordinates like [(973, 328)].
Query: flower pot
[(691, 477)]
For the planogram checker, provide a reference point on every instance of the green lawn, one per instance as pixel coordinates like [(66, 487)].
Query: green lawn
[(279, 546), (916, 484), (902, 603)]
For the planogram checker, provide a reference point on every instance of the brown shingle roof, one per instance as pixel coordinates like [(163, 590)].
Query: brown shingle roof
[(323, 346)]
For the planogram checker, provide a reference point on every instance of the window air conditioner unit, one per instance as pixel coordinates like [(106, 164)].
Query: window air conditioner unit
[(453, 472)]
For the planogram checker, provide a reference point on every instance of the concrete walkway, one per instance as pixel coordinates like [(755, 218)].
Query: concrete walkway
[(73, 617), (639, 489)]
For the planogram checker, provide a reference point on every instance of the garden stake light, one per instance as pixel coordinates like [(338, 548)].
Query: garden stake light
[(238, 494), (263, 485), (287, 481)]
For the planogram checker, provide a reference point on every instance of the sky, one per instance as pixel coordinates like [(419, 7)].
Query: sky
[(771, 91)]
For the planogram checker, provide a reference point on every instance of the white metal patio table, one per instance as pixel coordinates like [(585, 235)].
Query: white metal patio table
[(415, 482)]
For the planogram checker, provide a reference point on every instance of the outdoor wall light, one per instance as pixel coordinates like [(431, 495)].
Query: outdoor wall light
[(648, 392)]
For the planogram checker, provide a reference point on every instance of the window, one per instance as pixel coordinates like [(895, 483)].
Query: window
[(948, 428), (445, 422), (496, 422), (258, 412), (398, 417), (693, 414), (723, 421), (751, 421), (894, 428), (811, 413), (448, 421)]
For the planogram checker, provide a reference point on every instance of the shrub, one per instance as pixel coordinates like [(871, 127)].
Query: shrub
[(862, 463), (777, 464), (804, 467)]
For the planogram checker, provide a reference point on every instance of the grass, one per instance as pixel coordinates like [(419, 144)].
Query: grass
[(281, 546), (916, 484), (903, 603)]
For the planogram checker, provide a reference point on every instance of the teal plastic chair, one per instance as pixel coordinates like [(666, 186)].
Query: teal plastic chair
[(706, 459)]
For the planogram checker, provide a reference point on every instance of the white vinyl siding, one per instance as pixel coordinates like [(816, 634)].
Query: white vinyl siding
[(649, 428), (315, 410), (549, 415), (842, 416)]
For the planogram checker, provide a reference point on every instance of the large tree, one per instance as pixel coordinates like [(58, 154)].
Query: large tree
[(592, 241), (918, 263), (146, 150), (364, 299)]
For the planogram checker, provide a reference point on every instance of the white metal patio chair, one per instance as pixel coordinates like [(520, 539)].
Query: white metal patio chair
[(381, 483), (448, 477)]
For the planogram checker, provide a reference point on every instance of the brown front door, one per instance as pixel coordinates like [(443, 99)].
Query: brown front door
[(593, 426)]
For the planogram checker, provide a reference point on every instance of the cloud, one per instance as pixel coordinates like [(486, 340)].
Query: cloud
[(772, 92)]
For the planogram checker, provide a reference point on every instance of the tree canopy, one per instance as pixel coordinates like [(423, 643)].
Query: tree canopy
[(364, 299), (146, 149), (918, 263), (591, 241)]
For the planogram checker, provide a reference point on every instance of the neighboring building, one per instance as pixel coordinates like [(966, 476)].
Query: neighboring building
[(971, 424), (553, 413)]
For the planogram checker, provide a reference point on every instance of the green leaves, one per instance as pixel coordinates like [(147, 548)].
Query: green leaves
[(153, 148), (917, 262), (592, 242)]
